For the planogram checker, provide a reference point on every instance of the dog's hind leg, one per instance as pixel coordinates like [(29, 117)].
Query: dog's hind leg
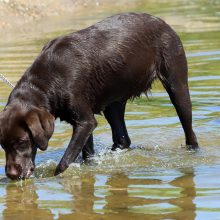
[(114, 113), (174, 77)]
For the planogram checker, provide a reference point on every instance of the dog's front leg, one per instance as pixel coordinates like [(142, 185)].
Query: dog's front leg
[(83, 129)]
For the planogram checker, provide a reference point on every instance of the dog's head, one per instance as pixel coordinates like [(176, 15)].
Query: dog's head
[(22, 131)]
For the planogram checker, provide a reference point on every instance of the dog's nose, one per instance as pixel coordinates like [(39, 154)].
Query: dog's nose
[(13, 171)]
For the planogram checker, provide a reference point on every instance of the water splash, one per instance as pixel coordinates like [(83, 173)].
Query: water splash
[(147, 157)]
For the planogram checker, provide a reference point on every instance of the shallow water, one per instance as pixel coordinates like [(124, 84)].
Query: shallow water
[(157, 178)]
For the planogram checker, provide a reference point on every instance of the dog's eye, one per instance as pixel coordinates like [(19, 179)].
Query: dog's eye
[(21, 148), (22, 144), (20, 141)]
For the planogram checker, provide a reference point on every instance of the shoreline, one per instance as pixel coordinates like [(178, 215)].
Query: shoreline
[(25, 19), (21, 15)]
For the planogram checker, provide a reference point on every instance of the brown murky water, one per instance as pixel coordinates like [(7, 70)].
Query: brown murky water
[(157, 179)]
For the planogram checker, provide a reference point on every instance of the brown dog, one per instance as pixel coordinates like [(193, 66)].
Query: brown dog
[(95, 69)]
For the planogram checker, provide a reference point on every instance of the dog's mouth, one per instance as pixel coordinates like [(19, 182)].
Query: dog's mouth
[(27, 174), (15, 172)]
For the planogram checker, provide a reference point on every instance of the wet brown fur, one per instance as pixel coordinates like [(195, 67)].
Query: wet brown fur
[(98, 69)]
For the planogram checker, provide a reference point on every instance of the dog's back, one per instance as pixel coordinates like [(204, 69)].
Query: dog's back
[(115, 59), (95, 69)]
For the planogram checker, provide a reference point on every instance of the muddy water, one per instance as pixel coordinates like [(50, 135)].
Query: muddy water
[(158, 178)]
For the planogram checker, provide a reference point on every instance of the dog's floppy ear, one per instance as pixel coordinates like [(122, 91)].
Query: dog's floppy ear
[(41, 124)]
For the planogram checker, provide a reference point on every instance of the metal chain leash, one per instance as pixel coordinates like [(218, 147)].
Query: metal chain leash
[(6, 81)]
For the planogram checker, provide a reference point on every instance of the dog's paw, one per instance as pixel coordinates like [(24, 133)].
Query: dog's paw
[(118, 146), (192, 148), (90, 161), (122, 143), (60, 168)]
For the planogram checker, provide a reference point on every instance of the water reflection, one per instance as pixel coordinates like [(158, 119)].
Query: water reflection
[(120, 196), (187, 195), (169, 194), (21, 203), (83, 191)]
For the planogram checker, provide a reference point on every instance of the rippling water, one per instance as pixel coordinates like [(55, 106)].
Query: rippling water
[(157, 178)]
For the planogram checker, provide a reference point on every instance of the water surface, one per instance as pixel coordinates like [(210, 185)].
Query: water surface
[(158, 178)]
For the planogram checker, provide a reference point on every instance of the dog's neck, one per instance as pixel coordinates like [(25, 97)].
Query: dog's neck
[(27, 97)]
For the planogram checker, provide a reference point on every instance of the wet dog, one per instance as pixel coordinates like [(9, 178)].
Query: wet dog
[(93, 70)]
